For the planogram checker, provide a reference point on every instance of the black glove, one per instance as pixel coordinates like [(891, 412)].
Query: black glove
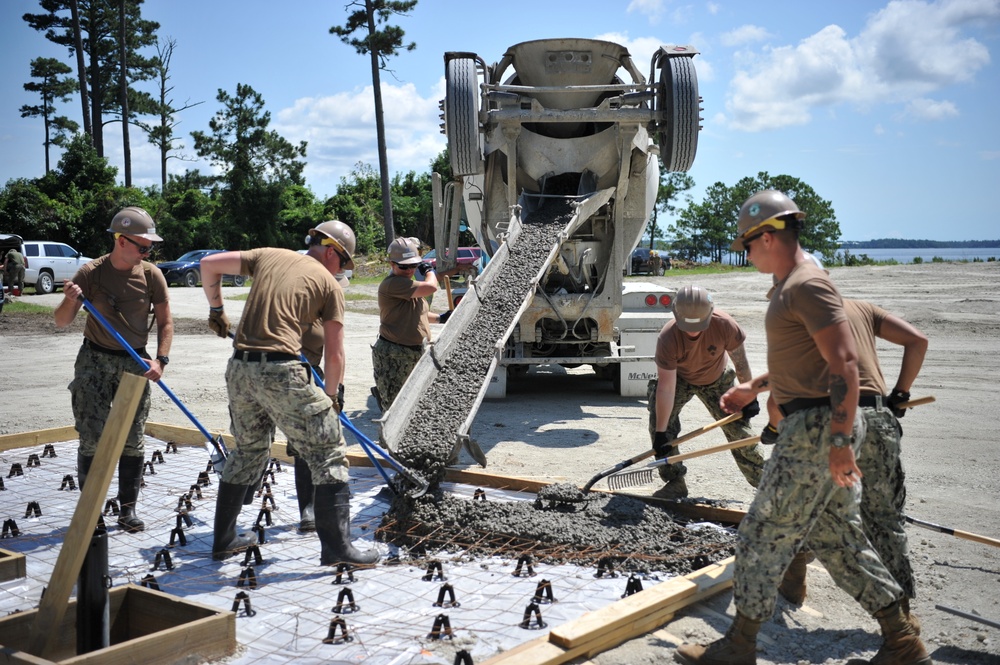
[(340, 397), (897, 397), (218, 321), (662, 444), (751, 410), (425, 268), (444, 316), (769, 435)]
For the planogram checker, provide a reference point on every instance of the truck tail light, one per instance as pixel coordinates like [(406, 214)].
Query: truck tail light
[(650, 300), (666, 300)]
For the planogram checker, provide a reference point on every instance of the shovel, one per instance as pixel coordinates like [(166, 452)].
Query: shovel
[(648, 453), (216, 446)]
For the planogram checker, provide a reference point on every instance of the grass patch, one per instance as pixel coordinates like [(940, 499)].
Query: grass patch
[(349, 296), (21, 307)]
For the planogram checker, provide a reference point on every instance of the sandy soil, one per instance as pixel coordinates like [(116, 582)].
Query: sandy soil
[(566, 425)]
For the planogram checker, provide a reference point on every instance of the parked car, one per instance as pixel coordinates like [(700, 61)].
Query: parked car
[(470, 261), (48, 264), (186, 270), (647, 261)]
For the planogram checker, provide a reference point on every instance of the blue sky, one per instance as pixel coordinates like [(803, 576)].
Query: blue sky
[(887, 109)]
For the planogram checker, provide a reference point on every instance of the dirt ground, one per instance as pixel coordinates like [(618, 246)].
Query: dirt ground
[(564, 425)]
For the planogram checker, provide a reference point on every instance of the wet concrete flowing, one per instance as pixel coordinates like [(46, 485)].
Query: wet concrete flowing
[(562, 525)]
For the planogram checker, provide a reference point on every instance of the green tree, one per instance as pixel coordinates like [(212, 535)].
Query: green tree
[(26, 210), (356, 204), (379, 45), (257, 165), (672, 187), (54, 85), (411, 201)]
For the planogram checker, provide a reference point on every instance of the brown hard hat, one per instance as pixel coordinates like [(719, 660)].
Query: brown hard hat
[(761, 210), (693, 309), (134, 221), (405, 251), (338, 235)]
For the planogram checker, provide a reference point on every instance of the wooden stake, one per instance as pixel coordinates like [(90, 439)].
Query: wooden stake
[(76, 543)]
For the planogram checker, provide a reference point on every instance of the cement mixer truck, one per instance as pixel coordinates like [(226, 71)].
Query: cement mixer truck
[(572, 123)]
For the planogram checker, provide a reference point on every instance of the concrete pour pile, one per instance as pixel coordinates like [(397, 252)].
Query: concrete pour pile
[(565, 527)]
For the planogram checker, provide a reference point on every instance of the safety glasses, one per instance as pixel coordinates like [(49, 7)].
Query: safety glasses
[(143, 249)]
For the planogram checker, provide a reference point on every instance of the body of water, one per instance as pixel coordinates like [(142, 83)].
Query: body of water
[(907, 254)]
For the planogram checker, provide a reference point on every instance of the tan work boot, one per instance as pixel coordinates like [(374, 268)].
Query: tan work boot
[(793, 584), (738, 647), (912, 618), (900, 643), (675, 489)]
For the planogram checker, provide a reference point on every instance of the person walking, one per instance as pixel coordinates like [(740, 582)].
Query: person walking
[(125, 289), (14, 270), (810, 489), (269, 386), (692, 354), (404, 319), (883, 493)]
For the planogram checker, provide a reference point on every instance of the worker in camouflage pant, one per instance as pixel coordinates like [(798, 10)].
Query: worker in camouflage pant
[(692, 354), (404, 319), (270, 386), (810, 490)]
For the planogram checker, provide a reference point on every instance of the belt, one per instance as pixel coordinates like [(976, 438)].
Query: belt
[(871, 401), (418, 347), (113, 352), (800, 403), (265, 356)]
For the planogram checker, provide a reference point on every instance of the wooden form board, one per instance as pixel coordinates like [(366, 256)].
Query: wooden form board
[(619, 622), (149, 627), (12, 565)]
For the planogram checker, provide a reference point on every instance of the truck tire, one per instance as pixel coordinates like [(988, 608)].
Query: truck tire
[(461, 116), (678, 100), (46, 284)]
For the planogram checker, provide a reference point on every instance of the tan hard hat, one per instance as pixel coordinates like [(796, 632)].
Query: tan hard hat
[(342, 236), (759, 211), (134, 221), (693, 309), (405, 251)]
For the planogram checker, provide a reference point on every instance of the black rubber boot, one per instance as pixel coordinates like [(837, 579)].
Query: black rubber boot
[(304, 490), (83, 463), (226, 542), (333, 524), (129, 482)]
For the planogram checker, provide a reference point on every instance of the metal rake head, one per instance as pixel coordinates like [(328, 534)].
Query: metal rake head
[(626, 479)]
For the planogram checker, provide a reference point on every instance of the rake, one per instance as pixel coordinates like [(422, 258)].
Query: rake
[(625, 479), (648, 453)]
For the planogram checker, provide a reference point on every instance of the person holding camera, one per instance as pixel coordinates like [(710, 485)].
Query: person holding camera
[(404, 317)]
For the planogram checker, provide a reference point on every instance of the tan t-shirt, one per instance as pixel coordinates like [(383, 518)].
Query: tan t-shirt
[(403, 317), (290, 292), (699, 361), (122, 298), (802, 304), (866, 320)]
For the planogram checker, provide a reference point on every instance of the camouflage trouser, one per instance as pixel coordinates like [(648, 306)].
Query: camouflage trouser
[(392, 364), (883, 495), (15, 277), (290, 445), (94, 384), (749, 458), (263, 396), (798, 504)]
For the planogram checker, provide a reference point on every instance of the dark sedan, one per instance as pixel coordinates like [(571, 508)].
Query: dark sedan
[(187, 269)]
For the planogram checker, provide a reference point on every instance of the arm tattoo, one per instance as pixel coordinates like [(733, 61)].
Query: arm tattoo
[(838, 393), (740, 363), (760, 384)]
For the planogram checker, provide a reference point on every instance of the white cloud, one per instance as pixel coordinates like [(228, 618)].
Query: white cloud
[(651, 9), (745, 34), (879, 130), (930, 109), (906, 50), (713, 8)]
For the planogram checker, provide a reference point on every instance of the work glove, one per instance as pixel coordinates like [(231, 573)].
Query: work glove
[(340, 397), (425, 268), (662, 444), (218, 321), (444, 316), (751, 410), (897, 397), (769, 435)]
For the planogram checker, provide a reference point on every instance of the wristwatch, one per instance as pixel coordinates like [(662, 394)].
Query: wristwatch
[(840, 440), (163, 360)]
